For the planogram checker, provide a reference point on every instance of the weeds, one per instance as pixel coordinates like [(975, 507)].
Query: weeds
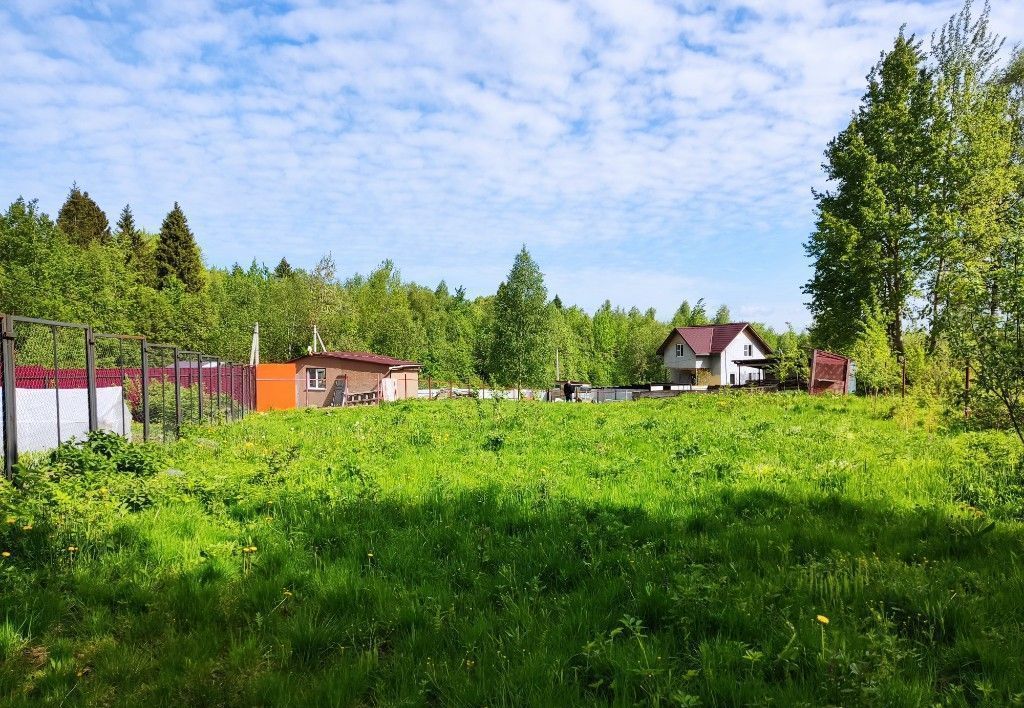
[(698, 551)]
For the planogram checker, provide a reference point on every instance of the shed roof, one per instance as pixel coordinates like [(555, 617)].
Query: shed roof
[(712, 339), (365, 357)]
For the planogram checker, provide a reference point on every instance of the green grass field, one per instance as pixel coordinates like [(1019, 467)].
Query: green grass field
[(674, 552)]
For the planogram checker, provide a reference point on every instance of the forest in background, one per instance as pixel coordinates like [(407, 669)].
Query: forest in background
[(127, 279)]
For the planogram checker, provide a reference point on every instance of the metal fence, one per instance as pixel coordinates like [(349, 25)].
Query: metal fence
[(62, 380)]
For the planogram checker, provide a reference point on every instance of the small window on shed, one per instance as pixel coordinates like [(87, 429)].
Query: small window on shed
[(316, 379), (679, 350), (748, 350)]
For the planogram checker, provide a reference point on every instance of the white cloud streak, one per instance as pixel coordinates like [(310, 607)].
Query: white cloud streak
[(643, 151)]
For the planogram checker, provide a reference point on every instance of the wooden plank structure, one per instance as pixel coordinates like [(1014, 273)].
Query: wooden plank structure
[(830, 373)]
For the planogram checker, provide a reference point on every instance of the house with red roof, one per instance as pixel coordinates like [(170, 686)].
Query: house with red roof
[(714, 355)]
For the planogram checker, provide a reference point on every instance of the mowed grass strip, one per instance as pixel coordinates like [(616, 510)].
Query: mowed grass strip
[(704, 550)]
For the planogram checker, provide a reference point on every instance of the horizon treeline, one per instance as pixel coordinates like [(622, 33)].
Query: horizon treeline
[(128, 280)]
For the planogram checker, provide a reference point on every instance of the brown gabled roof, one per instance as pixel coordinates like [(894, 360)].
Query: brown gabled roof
[(366, 357), (712, 339)]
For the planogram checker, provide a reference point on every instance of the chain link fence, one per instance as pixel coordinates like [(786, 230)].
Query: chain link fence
[(62, 380)]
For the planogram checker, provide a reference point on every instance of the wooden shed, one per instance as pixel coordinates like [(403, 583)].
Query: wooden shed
[(329, 378)]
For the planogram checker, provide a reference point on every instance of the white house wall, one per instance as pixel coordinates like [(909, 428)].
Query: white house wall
[(735, 351), (688, 360)]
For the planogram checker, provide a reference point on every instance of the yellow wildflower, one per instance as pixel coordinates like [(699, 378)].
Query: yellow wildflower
[(823, 619), (11, 519), (6, 554)]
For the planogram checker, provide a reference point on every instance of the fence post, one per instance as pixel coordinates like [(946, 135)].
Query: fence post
[(145, 392), (177, 394), (199, 362), (90, 377), (220, 385), (231, 392), (10, 427)]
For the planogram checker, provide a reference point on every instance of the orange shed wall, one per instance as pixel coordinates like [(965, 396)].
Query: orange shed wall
[(275, 386)]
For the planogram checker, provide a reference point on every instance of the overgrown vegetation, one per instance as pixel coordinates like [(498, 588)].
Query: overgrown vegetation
[(675, 552), (920, 234)]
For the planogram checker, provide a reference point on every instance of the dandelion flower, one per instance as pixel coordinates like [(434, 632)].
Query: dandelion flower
[(72, 549), (823, 619), (6, 554), (26, 527), (11, 519)]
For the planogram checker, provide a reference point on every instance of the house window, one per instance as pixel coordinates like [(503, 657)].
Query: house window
[(679, 350), (316, 379), (732, 379), (748, 350)]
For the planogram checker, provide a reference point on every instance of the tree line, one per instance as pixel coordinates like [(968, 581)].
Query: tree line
[(129, 280), (919, 239)]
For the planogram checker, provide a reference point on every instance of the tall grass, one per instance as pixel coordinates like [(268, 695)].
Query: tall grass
[(673, 552)]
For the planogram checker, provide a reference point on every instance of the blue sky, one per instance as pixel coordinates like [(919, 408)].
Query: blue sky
[(645, 152)]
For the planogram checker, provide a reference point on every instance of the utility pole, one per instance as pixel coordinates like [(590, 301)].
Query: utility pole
[(254, 350)]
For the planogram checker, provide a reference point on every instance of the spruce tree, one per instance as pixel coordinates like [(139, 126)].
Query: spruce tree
[(283, 269), (82, 220), (133, 244), (518, 351), (177, 254), (126, 230)]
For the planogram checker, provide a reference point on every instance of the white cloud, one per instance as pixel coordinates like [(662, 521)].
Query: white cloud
[(645, 151)]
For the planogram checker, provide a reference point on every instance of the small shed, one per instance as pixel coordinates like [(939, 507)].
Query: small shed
[(323, 378)]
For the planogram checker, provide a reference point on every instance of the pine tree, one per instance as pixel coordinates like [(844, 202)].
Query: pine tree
[(518, 350), (722, 316), (82, 220), (283, 269), (177, 255)]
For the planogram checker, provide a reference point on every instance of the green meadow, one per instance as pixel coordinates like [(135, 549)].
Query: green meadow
[(704, 550)]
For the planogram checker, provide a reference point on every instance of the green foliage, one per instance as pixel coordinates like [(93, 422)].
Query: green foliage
[(695, 316), (82, 220), (283, 269), (115, 288), (103, 452), (792, 357), (926, 214), (672, 552), (520, 326), (867, 242), (877, 367), (177, 255)]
